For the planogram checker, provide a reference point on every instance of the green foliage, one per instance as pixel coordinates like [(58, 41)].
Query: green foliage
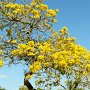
[(2, 88)]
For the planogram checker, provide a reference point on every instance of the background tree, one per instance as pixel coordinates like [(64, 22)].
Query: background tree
[(2, 88), (50, 56)]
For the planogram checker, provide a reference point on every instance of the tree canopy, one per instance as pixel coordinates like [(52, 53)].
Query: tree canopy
[(49, 54)]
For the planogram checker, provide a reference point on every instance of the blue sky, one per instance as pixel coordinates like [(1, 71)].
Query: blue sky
[(75, 14)]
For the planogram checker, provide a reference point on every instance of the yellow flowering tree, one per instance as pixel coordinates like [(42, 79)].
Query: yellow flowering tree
[(21, 23), (55, 60)]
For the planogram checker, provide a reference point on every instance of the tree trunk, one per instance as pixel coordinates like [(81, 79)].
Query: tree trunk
[(27, 83)]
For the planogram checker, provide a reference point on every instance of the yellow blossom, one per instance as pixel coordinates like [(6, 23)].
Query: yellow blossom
[(13, 42), (54, 20), (1, 63), (52, 12), (43, 7), (36, 16), (31, 43), (9, 14), (35, 67), (55, 34), (88, 67), (23, 46), (16, 11), (41, 57), (35, 12), (64, 30), (28, 76), (47, 15), (31, 54)]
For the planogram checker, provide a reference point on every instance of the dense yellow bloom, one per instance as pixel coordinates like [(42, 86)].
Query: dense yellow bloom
[(17, 11), (1, 63), (41, 57), (45, 48), (35, 12), (25, 50), (10, 5), (59, 52), (13, 6), (52, 12), (63, 64), (22, 46), (37, 16), (58, 55), (62, 53), (36, 66), (88, 67), (55, 55), (31, 43), (31, 54), (43, 7)]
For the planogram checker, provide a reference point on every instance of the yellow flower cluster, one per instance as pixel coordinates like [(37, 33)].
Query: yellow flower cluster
[(34, 11), (1, 63), (45, 48), (57, 53), (52, 12), (12, 41), (55, 34), (41, 58), (88, 67), (64, 30), (17, 8), (64, 53), (43, 7), (25, 50), (36, 66), (28, 76), (10, 14), (13, 6), (54, 20)]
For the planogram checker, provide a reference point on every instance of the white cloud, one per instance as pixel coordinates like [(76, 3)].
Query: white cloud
[(3, 76)]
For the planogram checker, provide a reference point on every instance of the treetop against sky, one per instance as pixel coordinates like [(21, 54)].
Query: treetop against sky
[(29, 38)]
